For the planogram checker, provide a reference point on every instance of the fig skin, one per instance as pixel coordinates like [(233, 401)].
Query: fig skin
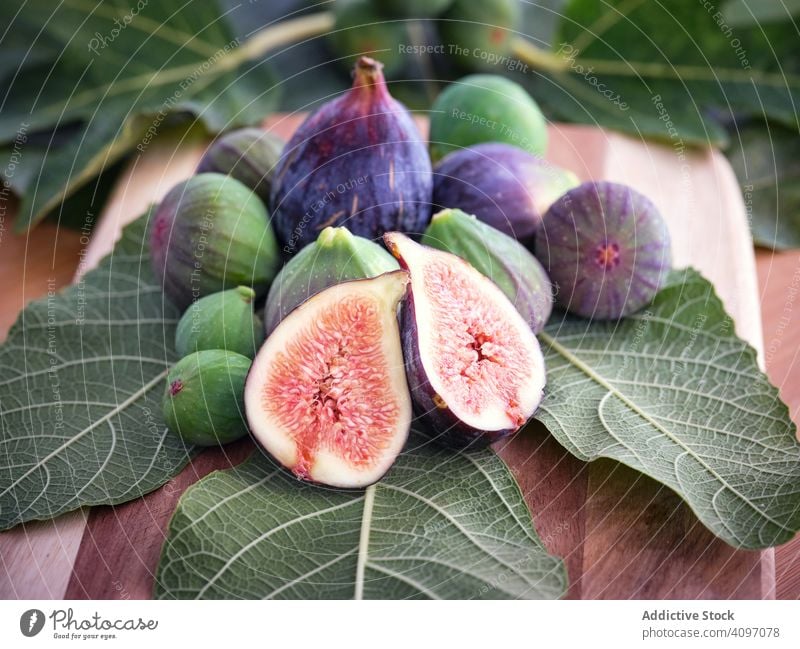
[(450, 430), (203, 398), (501, 258), (223, 320), (607, 250), (247, 154), (358, 161), (334, 390), (433, 408), (208, 234), (480, 28), (502, 185), (361, 29), (486, 108), (336, 256)]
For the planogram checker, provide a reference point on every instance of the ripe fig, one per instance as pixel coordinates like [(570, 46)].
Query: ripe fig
[(211, 233), (486, 108), (501, 184), (247, 154), (336, 256), (501, 258), (606, 248), (327, 395), (203, 398), (482, 32), (223, 320), (474, 366), (361, 29), (358, 161)]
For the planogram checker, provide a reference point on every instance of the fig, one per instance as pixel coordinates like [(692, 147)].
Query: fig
[(327, 395), (475, 369), (203, 400), (486, 108), (357, 161), (223, 320), (336, 256), (247, 154), (479, 34), (501, 258), (606, 248), (361, 29), (501, 184), (211, 233), (412, 8)]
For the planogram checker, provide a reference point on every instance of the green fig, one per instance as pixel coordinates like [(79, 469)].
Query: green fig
[(336, 256), (211, 233), (361, 30), (498, 256), (480, 33), (486, 108), (223, 320), (247, 154), (203, 400), (414, 9)]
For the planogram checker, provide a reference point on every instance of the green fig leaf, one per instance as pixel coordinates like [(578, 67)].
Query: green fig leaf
[(766, 159), (124, 72), (673, 393), (440, 525), (670, 71), (81, 378)]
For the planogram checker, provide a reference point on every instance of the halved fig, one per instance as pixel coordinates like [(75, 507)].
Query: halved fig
[(474, 366), (327, 395)]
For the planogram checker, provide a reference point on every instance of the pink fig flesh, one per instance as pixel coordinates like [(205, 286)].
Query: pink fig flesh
[(475, 369), (327, 395)]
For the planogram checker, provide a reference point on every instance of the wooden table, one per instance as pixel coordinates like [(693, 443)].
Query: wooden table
[(621, 534)]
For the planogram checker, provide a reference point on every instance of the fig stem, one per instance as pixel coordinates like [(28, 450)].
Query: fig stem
[(363, 541)]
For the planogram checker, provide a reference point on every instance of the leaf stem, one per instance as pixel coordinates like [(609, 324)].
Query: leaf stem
[(546, 61), (363, 542), (538, 58), (284, 33)]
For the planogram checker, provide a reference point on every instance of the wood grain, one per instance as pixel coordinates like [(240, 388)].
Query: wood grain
[(779, 286), (622, 535)]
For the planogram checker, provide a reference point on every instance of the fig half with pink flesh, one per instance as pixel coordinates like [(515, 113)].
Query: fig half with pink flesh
[(327, 395), (475, 369)]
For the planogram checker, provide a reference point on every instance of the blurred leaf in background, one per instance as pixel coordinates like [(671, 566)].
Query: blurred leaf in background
[(87, 82), (681, 55), (766, 159), (115, 73)]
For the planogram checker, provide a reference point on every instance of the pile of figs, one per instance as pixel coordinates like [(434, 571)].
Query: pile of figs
[(338, 288)]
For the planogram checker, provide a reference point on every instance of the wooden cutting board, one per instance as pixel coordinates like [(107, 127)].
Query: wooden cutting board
[(621, 534)]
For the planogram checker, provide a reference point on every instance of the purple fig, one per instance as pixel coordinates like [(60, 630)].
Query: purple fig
[(606, 248), (247, 154), (475, 369), (501, 184), (501, 258), (358, 161)]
